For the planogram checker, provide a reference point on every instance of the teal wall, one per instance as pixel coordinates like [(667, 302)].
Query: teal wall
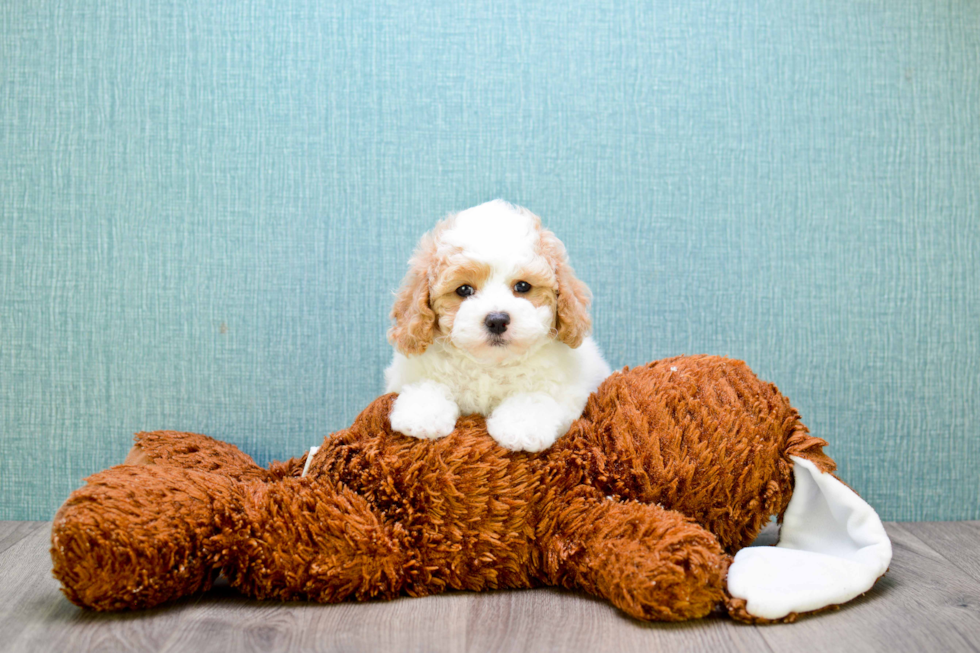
[(206, 206)]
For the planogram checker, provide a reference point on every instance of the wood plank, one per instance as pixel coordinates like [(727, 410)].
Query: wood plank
[(27, 593), (554, 620), (958, 542), (65, 627), (229, 622), (536, 620), (12, 532), (922, 604)]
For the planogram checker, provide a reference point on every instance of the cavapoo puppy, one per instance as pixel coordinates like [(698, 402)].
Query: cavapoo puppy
[(490, 319)]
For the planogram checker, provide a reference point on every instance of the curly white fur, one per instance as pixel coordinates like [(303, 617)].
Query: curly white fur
[(531, 381)]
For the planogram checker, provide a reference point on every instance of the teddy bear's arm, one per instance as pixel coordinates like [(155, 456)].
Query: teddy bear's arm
[(312, 539), (197, 452), (650, 562), (136, 536)]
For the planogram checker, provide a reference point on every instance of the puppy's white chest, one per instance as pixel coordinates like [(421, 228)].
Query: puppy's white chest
[(480, 388)]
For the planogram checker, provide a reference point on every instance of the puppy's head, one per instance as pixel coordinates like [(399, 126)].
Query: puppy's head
[(491, 282)]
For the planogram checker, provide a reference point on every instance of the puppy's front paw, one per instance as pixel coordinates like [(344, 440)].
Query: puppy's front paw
[(424, 410), (528, 422)]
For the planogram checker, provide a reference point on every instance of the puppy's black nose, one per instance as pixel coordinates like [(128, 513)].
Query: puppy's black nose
[(497, 322)]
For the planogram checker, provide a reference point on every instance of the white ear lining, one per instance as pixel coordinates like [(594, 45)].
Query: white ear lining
[(832, 548)]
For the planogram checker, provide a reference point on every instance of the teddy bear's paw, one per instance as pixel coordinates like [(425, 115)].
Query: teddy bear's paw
[(136, 536), (424, 410), (528, 422)]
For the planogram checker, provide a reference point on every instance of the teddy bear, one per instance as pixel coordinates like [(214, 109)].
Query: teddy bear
[(648, 501)]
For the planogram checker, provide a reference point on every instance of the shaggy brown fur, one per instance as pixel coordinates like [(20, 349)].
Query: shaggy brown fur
[(672, 468)]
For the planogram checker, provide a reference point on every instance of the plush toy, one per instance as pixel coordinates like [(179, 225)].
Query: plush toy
[(672, 469)]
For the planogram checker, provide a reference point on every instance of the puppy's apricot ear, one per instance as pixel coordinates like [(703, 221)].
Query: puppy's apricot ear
[(572, 313), (574, 297), (415, 321)]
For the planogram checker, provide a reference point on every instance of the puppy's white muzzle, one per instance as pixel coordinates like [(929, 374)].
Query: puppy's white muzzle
[(528, 326)]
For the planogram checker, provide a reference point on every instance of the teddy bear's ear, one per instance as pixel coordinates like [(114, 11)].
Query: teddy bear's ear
[(572, 319), (415, 321), (832, 548)]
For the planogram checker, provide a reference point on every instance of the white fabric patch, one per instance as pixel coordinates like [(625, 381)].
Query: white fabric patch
[(832, 548), (309, 459)]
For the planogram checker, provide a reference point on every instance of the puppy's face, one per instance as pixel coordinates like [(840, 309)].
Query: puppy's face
[(495, 311), (490, 282)]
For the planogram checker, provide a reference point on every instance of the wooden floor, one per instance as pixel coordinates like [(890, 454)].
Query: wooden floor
[(929, 601)]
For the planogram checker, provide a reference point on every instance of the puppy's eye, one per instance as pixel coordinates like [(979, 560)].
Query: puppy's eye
[(522, 287), (465, 291)]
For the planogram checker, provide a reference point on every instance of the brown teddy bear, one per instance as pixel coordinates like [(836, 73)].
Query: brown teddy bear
[(673, 468)]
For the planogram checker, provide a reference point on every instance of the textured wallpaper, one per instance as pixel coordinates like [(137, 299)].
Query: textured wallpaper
[(206, 207)]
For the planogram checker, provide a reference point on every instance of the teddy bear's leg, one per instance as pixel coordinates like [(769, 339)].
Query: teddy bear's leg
[(194, 451), (137, 536), (832, 548), (650, 562), (315, 540)]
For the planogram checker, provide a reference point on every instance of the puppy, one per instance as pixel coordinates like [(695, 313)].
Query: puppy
[(490, 319)]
